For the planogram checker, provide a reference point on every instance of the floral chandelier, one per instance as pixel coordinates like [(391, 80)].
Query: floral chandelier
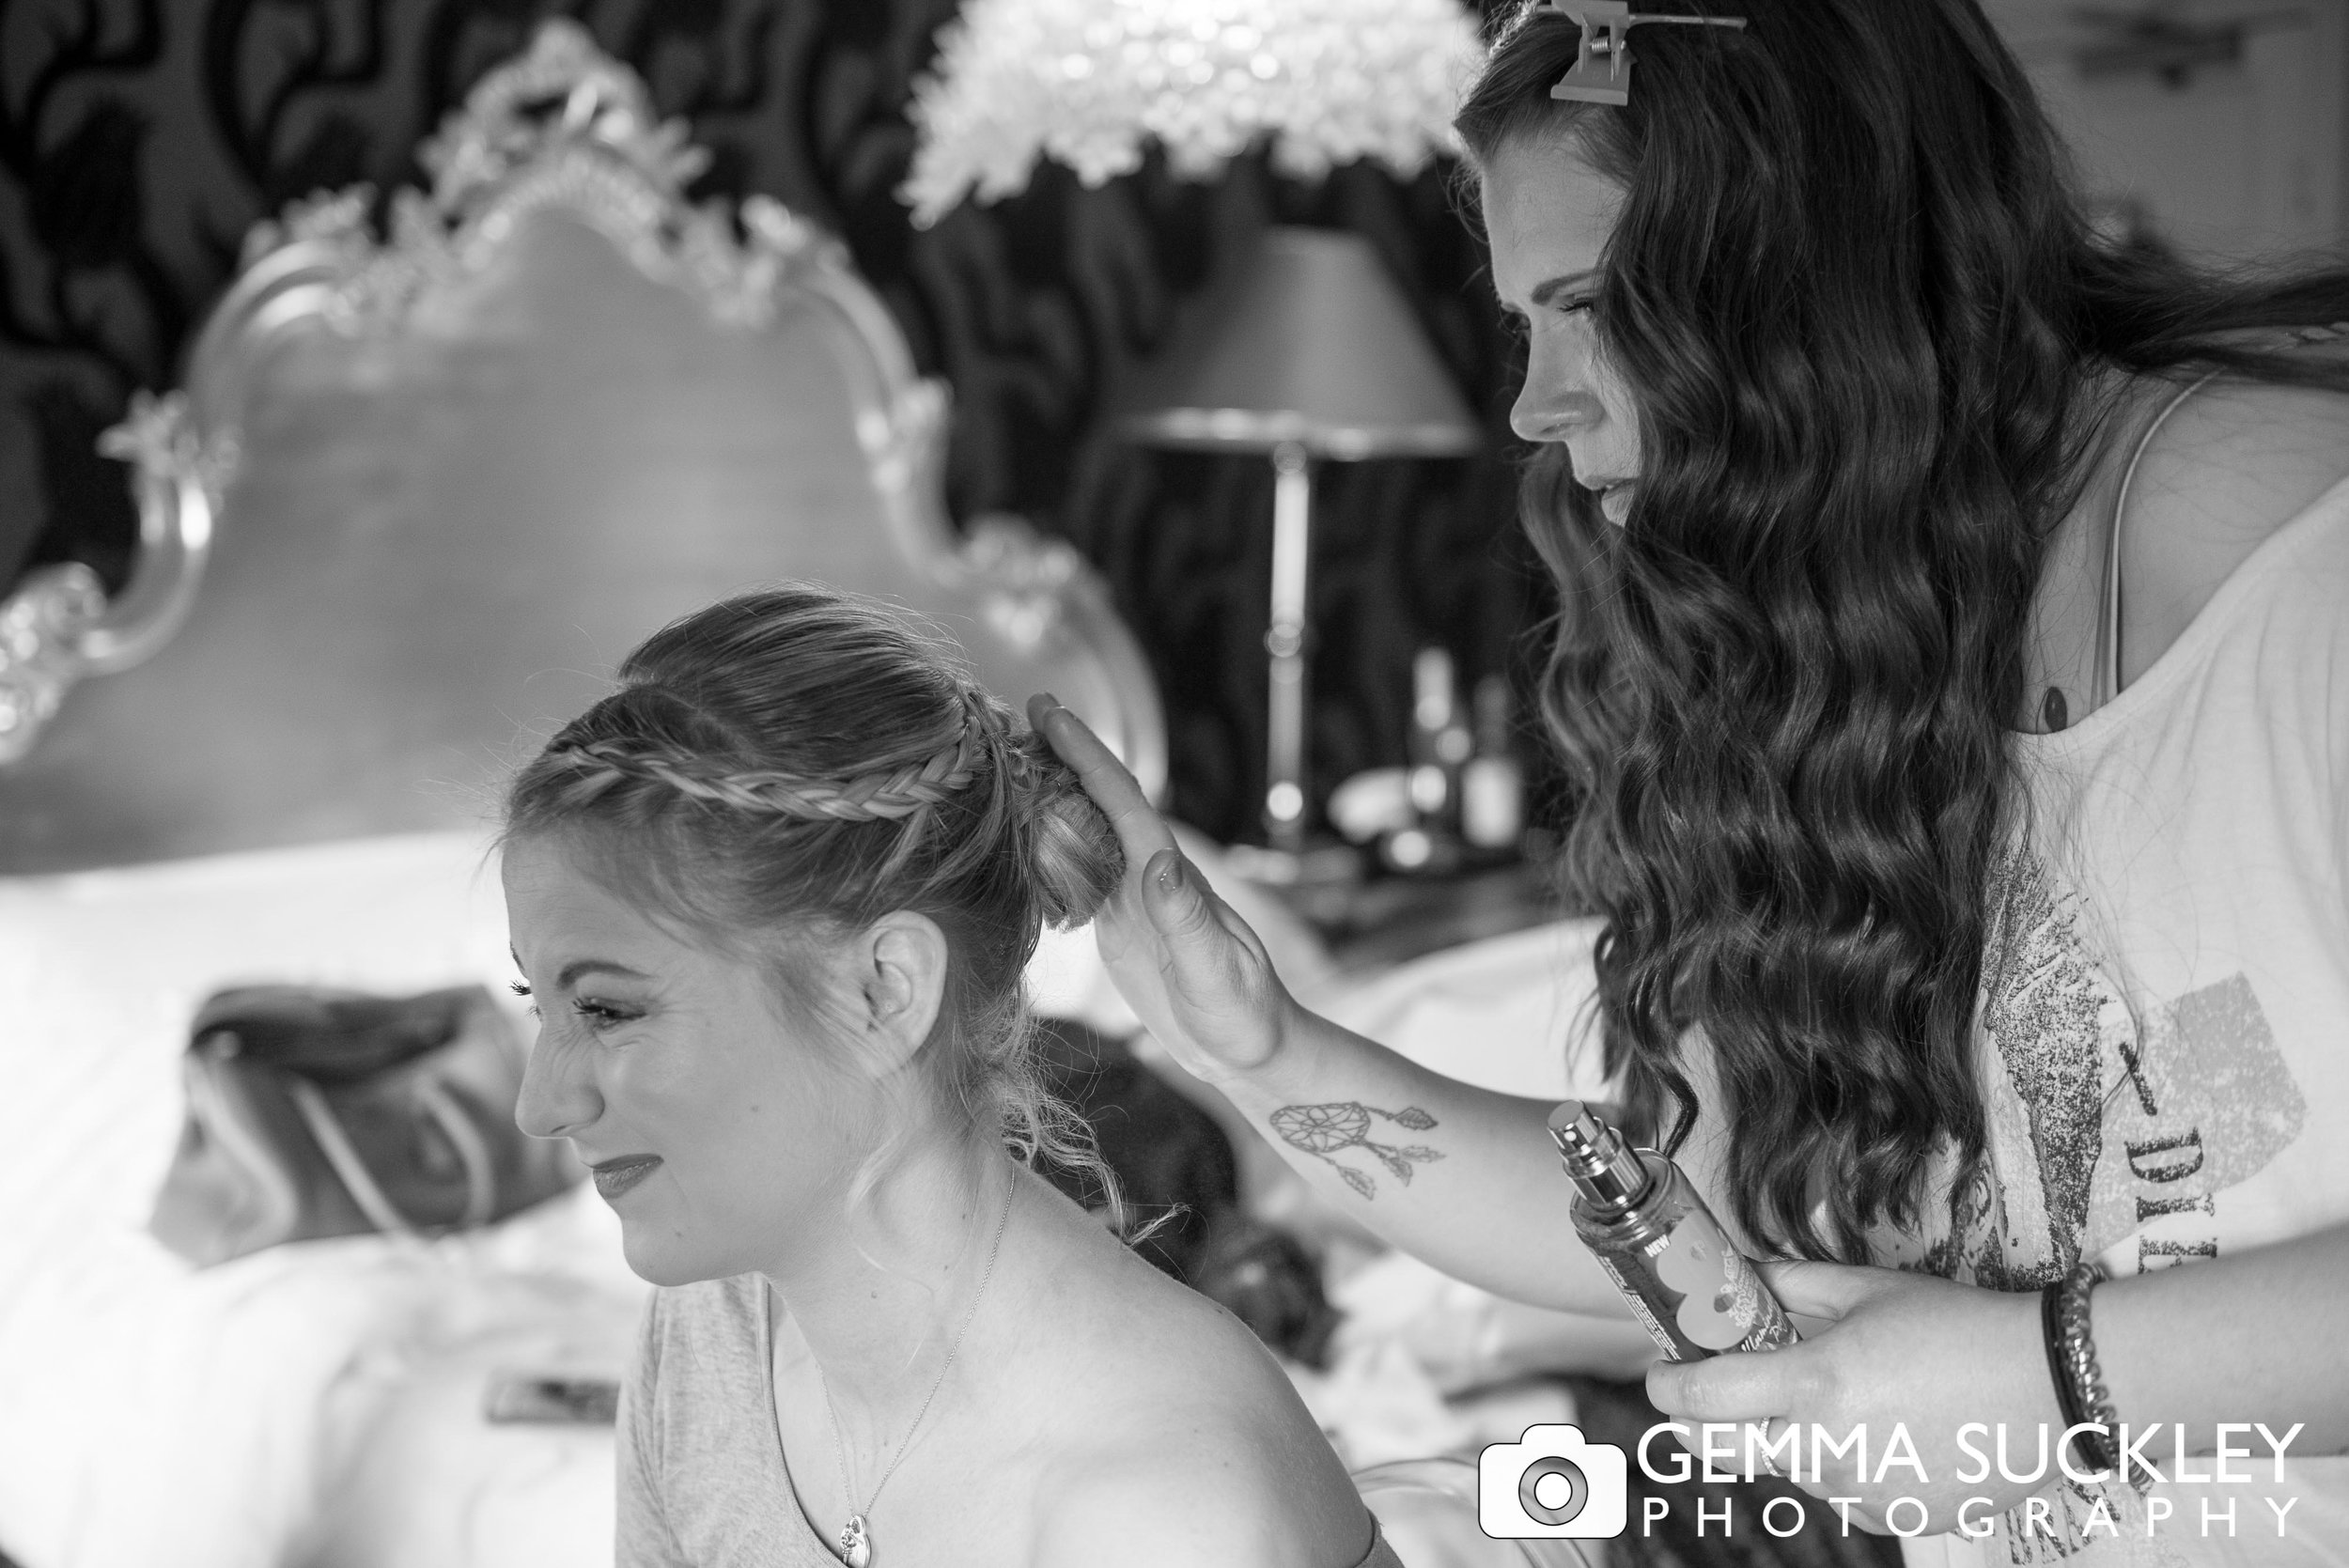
[(1090, 83)]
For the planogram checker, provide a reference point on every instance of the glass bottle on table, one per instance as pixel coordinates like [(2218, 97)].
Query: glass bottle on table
[(1492, 784), (1439, 747)]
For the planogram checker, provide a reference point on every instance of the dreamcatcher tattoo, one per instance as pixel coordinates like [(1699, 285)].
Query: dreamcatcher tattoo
[(1325, 1131)]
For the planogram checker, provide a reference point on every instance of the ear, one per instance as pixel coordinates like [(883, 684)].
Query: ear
[(898, 969)]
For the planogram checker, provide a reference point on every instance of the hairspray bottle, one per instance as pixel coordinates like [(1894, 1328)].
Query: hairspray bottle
[(1690, 1287)]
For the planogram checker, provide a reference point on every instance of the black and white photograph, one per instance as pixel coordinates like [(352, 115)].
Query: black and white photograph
[(1174, 784)]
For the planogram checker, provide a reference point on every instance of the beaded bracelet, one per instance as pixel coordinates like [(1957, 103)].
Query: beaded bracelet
[(2080, 1383)]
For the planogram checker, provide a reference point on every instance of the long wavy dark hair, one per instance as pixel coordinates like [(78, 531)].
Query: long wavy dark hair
[(1867, 328)]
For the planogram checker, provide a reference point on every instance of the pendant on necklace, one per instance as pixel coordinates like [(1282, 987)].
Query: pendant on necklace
[(856, 1548)]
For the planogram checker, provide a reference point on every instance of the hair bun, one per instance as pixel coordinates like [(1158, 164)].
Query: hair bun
[(1074, 858)]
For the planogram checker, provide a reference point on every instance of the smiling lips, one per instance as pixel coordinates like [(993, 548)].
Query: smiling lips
[(617, 1176)]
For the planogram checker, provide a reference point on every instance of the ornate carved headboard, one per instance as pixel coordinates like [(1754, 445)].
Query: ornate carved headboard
[(420, 493)]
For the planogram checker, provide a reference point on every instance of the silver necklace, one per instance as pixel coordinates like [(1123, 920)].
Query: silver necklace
[(855, 1544)]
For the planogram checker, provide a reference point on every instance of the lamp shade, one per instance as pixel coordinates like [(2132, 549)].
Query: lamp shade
[(1309, 343)]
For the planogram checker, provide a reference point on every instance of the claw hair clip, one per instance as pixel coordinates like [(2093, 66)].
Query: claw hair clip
[(1602, 67)]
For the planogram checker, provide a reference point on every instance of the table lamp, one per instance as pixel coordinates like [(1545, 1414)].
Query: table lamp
[(1310, 353)]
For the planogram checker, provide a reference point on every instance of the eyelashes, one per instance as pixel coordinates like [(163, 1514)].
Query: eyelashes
[(599, 1015), (1520, 328)]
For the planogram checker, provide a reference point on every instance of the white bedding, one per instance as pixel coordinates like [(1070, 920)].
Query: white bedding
[(1501, 1014), (152, 1413), (319, 1403)]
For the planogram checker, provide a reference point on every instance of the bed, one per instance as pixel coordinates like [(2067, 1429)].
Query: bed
[(438, 461)]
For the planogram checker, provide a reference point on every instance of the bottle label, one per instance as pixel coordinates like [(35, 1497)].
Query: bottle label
[(1657, 1331), (1776, 1332), (1723, 1303)]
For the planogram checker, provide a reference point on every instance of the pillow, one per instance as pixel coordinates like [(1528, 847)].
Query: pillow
[(109, 1344)]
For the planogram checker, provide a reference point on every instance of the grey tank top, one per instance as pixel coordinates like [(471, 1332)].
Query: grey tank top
[(702, 1478)]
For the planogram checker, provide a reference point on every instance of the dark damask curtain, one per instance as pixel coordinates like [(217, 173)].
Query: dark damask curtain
[(140, 138)]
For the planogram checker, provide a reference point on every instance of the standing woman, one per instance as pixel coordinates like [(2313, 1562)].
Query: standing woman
[(1952, 664)]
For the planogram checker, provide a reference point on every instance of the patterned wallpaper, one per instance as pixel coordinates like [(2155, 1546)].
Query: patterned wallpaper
[(140, 138)]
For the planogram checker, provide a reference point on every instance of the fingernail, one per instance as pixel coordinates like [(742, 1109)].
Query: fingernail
[(1170, 871), (1048, 699)]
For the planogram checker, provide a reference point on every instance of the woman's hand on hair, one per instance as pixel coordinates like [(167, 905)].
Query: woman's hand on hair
[(1191, 968), (1898, 1350)]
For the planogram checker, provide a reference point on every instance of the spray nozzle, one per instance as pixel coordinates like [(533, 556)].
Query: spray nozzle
[(1581, 1136), (1609, 1173)]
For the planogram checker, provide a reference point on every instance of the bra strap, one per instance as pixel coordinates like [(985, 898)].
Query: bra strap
[(2107, 673)]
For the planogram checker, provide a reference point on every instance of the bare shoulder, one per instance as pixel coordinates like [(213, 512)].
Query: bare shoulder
[(1187, 1443), (1190, 1505), (2233, 464)]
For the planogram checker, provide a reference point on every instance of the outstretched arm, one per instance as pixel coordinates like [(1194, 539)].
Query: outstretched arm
[(1463, 1178)]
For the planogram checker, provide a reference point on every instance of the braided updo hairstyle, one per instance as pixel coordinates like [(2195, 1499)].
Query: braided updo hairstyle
[(798, 762)]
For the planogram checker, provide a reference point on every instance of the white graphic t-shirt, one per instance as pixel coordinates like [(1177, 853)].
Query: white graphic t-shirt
[(2164, 1020)]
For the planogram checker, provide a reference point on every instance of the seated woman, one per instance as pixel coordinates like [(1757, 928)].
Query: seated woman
[(775, 897)]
